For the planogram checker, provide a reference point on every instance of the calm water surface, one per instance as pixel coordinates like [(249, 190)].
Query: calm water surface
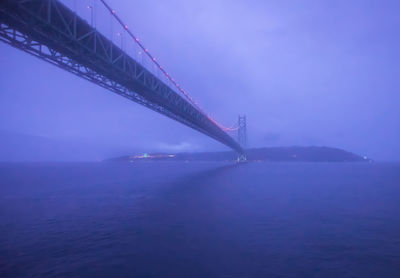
[(199, 220)]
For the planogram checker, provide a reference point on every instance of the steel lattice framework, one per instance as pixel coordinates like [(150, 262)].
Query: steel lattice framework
[(52, 32)]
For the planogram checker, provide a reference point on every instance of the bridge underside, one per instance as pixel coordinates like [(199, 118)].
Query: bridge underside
[(52, 32)]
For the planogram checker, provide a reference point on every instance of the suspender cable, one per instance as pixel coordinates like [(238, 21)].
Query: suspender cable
[(158, 66)]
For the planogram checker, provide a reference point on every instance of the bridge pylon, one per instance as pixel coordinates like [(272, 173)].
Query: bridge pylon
[(242, 137)]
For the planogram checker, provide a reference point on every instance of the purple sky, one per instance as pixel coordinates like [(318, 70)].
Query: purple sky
[(304, 73)]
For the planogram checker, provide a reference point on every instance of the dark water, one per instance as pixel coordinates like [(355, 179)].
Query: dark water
[(200, 220)]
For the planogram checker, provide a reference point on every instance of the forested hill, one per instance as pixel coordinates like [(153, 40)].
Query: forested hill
[(310, 154)]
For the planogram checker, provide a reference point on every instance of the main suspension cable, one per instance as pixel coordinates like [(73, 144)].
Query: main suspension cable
[(165, 73)]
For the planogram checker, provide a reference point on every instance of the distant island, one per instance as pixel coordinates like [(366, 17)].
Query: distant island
[(304, 154)]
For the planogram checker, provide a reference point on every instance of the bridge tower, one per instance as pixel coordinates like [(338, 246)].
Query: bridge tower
[(242, 136), (242, 132)]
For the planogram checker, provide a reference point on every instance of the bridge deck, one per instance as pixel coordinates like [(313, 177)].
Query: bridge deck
[(51, 31)]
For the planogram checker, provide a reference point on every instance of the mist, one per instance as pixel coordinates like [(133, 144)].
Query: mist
[(305, 73)]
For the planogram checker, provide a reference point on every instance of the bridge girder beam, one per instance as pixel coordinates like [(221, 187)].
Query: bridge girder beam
[(50, 31)]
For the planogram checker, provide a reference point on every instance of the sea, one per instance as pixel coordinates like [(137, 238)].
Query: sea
[(199, 219)]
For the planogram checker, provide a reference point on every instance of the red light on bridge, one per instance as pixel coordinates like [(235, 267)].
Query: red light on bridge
[(160, 67)]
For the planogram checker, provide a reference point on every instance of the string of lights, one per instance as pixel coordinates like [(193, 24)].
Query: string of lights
[(162, 69)]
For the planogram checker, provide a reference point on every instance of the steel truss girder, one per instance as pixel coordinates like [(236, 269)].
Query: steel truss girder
[(50, 31)]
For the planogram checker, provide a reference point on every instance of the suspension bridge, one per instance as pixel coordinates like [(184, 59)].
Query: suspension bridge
[(59, 34)]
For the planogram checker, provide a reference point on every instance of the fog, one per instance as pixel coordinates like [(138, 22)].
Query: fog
[(321, 73)]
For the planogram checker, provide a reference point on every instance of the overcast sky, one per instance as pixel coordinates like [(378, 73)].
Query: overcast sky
[(321, 73)]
